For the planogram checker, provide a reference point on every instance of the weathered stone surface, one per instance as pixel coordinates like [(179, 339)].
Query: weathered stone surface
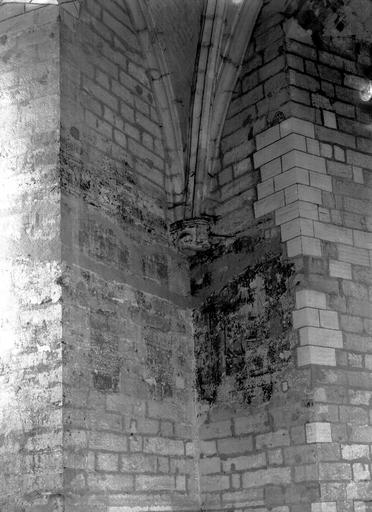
[(98, 410)]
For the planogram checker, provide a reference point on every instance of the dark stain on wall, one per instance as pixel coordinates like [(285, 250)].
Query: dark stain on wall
[(334, 23), (243, 331), (104, 352)]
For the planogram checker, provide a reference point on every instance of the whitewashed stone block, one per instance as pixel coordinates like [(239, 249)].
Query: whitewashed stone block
[(318, 432)]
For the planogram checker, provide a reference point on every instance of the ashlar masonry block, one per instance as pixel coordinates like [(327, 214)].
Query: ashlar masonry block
[(329, 319), (291, 177), (318, 432), (273, 476), (324, 506), (311, 355), (296, 209), (264, 189), (361, 471), (305, 317), (273, 439), (311, 298), (321, 181), (340, 269), (353, 255), (297, 227), (269, 204), (245, 462), (354, 451), (335, 471), (299, 192), (295, 125), (358, 175), (329, 119), (304, 245), (333, 233), (362, 238), (271, 169), (331, 338), (268, 137), (279, 148), (297, 158)]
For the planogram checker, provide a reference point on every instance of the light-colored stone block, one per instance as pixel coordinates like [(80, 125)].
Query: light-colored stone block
[(268, 204), (358, 159), (305, 317), (340, 269), (324, 214), (303, 193), (329, 319), (322, 181), (329, 119), (267, 137), (322, 337), (361, 471), (354, 451), (271, 169), (297, 227), (362, 238), (210, 465), (358, 176), (264, 189), (304, 160), (291, 177), (318, 432), (339, 153), (353, 255), (316, 355), (313, 146), (304, 245), (326, 150), (278, 148), (294, 210), (295, 125), (333, 233), (324, 506), (311, 247), (294, 247)]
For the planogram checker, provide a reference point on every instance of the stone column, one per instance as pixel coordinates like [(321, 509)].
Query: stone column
[(30, 260)]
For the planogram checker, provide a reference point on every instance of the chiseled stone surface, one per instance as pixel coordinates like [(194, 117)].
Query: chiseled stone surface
[(98, 407), (30, 260), (302, 126)]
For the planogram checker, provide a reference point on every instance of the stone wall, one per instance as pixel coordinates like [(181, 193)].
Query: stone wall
[(99, 351), (295, 164), (128, 365)]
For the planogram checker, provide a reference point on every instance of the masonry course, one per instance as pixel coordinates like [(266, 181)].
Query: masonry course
[(99, 410)]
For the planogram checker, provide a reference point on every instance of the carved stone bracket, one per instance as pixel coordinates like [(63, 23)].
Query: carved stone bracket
[(191, 235)]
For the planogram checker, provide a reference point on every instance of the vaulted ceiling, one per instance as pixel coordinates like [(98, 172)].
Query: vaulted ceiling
[(195, 49), (178, 25)]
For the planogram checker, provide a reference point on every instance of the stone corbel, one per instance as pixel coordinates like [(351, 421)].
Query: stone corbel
[(71, 6), (191, 235)]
